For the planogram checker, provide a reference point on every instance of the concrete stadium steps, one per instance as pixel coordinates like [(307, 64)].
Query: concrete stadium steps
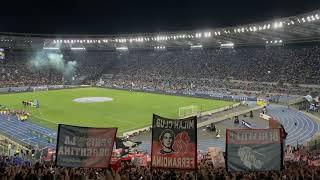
[(12, 127)]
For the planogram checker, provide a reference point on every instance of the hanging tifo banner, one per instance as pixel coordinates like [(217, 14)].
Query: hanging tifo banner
[(254, 149), (84, 146), (174, 143)]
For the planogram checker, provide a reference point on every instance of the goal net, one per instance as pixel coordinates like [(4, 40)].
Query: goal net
[(188, 111), (40, 88)]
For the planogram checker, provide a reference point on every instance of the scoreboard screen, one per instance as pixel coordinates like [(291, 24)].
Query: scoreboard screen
[(2, 54)]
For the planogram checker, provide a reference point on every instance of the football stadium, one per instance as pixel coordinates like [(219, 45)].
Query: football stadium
[(230, 102)]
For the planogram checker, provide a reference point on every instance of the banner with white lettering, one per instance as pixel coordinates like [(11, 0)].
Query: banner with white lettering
[(84, 146), (174, 143), (254, 149)]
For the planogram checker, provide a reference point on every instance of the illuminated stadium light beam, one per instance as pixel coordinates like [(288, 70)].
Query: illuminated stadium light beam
[(317, 16), (303, 20), (78, 48)]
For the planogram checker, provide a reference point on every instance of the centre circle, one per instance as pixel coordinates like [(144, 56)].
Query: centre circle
[(92, 99)]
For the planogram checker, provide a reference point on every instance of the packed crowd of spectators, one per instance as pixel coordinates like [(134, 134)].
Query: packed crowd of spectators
[(244, 68), (297, 168)]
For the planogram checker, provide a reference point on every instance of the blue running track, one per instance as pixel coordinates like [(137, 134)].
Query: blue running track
[(19, 131)]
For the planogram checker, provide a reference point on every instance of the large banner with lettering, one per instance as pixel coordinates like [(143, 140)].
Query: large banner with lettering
[(84, 146), (254, 149), (174, 143)]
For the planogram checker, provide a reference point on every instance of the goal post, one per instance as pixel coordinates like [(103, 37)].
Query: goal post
[(40, 88), (188, 111)]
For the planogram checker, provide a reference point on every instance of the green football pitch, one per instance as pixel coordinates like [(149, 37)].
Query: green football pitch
[(127, 111)]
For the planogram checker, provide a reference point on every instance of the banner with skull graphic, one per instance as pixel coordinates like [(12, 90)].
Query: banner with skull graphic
[(254, 149)]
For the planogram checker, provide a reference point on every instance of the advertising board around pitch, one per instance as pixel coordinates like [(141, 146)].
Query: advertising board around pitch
[(254, 149), (84, 146)]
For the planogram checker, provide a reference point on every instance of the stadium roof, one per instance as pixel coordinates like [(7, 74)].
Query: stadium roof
[(300, 28)]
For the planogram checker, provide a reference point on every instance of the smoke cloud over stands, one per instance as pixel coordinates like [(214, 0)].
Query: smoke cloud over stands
[(53, 60)]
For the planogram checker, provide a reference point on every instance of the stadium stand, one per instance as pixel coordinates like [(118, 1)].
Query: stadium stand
[(282, 73), (244, 68)]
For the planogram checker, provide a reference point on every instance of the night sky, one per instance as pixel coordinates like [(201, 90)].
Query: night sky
[(140, 16)]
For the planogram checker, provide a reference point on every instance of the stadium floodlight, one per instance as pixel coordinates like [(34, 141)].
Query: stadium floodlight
[(77, 48), (280, 41), (276, 41), (280, 24), (275, 25), (267, 42), (99, 41), (207, 34), (50, 48), (196, 46), (124, 48), (317, 16), (312, 18), (303, 20), (254, 29), (227, 45), (308, 18)]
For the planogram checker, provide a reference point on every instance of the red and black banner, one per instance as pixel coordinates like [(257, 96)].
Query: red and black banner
[(174, 143), (84, 146), (254, 149)]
